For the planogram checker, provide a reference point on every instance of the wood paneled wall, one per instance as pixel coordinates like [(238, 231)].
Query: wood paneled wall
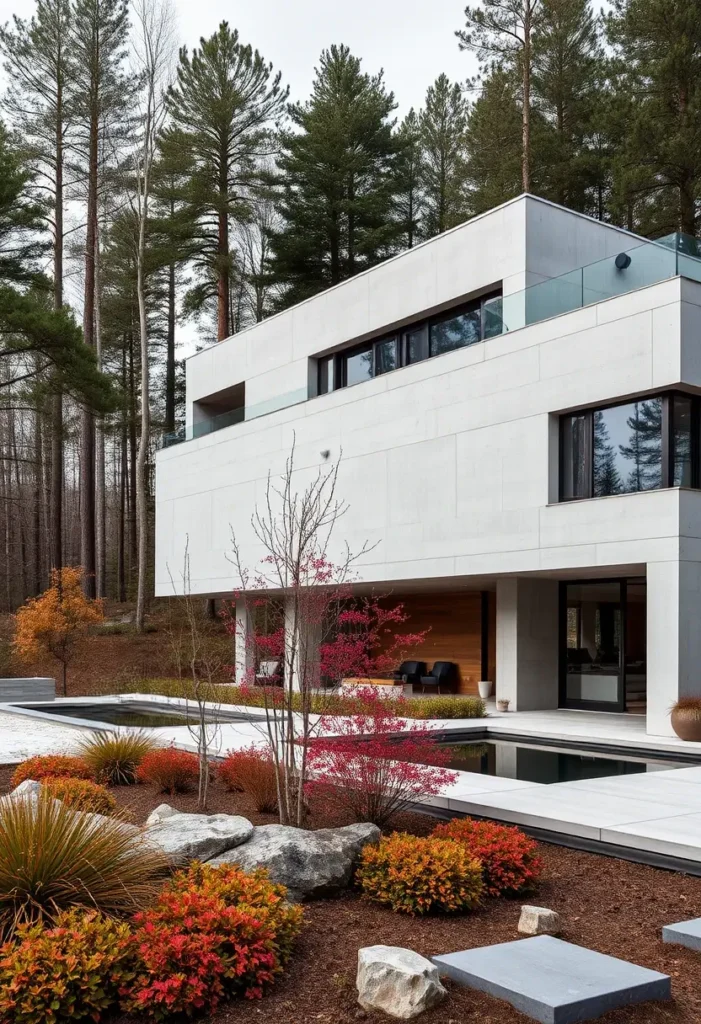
[(454, 624)]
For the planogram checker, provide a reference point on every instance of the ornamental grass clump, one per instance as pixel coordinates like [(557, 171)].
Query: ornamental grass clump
[(54, 765), (251, 771), (72, 970), (172, 770), (420, 875), (52, 858), (81, 795), (510, 864), (114, 757)]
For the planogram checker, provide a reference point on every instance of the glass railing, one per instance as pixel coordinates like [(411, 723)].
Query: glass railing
[(640, 265), (228, 419), (637, 267)]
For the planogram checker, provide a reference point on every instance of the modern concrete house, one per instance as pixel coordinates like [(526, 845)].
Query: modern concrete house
[(517, 404)]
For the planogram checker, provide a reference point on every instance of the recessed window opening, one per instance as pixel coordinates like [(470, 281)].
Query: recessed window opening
[(639, 445), (465, 325)]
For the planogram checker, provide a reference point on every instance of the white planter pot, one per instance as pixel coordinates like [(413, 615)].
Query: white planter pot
[(485, 688)]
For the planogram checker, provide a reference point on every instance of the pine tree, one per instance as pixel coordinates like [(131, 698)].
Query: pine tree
[(443, 123), (409, 196), (493, 167), (567, 72), (225, 103), (659, 46), (40, 101), (98, 39), (607, 479), (172, 236), (337, 180), (501, 34)]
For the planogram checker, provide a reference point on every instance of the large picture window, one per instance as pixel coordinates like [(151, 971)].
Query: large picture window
[(642, 445)]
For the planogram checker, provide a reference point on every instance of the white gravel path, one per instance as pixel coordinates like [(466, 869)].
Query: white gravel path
[(21, 737)]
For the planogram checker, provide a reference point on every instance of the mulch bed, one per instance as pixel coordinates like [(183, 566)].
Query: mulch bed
[(608, 905)]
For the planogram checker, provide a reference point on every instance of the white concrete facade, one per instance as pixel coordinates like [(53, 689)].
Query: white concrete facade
[(450, 465)]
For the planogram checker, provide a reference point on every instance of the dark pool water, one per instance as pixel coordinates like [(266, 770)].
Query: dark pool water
[(545, 766), (122, 714)]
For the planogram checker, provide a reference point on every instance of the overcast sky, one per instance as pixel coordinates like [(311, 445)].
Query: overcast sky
[(413, 40)]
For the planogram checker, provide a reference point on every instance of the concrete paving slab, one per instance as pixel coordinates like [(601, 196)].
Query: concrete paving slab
[(552, 981), (561, 809), (684, 933), (678, 836), (660, 788)]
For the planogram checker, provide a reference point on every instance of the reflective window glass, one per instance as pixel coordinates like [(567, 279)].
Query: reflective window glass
[(575, 458), (461, 330), (628, 447), (386, 356), (681, 418), (326, 375), (416, 345), (359, 367)]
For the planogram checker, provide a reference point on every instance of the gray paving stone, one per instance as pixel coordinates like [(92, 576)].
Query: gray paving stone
[(552, 981), (684, 933)]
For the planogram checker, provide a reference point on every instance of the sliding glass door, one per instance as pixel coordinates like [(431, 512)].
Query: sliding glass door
[(592, 669)]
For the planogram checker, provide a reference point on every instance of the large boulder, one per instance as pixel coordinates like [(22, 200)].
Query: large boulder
[(310, 864), (186, 837), (397, 981)]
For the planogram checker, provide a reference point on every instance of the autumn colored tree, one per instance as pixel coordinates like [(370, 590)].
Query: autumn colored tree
[(321, 633), (57, 621)]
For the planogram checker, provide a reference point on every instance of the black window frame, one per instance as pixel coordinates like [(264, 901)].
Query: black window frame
[(422, 327), (667, 441)]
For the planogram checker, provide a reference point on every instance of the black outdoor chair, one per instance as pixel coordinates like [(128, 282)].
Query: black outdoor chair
[(443, 673), (410, 672)]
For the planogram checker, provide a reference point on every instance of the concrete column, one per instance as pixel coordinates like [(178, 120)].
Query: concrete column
[(673, 639), (243, 663), (308, 638), (527, 643)]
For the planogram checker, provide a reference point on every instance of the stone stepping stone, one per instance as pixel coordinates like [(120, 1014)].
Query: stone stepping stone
[(553, 981), (684, 933)]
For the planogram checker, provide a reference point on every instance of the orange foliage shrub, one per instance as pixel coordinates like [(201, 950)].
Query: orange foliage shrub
[(82, 795), (44, 766), (57, 621)]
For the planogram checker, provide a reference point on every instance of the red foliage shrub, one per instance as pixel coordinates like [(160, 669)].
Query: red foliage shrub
[(251, 891), (173, 771), (375, 763), (194, 951), (509, 860), (56, 765), (251, 771)]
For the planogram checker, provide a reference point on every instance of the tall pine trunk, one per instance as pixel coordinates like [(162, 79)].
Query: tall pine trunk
[(87, 469), (57, 454), (100, 510)]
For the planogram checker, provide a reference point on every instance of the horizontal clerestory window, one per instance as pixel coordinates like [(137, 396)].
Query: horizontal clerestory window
[(639, 445), (465, 325)]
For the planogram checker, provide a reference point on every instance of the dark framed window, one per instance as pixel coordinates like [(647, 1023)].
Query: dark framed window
[(386, 355), (455, 331), (465, 325), (639, 445), (357, 366), (327, 374), (416, 344)]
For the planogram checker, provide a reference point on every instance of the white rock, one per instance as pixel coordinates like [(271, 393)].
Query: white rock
[(397, 981), (196, 836), (538, 921), (27, 788), (309, 863)]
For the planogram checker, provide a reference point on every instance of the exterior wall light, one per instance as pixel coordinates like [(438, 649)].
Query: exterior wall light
[(622, 261)]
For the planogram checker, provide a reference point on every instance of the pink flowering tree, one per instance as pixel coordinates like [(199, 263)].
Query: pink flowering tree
[(302, 614), (375, 763)]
